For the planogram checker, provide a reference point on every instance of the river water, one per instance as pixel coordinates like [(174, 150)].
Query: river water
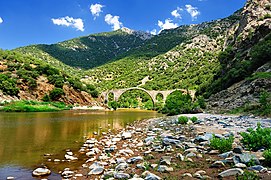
[(26, 137)]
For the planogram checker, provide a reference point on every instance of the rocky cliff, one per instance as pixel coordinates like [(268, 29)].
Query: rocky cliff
[(246, 69)]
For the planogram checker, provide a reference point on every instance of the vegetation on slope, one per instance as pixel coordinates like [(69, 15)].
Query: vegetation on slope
[(21, 73), (86, 52)]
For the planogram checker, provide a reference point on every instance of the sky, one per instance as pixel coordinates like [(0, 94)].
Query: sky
[(27, 22)]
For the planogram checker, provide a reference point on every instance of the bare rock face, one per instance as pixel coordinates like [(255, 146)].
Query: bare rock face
[(240, 93)]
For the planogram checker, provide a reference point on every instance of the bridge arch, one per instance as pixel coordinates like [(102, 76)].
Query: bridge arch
[(136, 88)]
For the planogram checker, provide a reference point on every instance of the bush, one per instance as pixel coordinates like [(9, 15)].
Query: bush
[(267, 156), (223, 145), (8, 85), (194, 119), (46, 98), (178, 103), (113, 105), (257, 139), (182, 120), (56, 93)]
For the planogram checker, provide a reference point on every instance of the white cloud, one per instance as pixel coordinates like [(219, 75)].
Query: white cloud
[(70, 22), (96, 9), (177, 13), (153, 32), (168, 24), (193, 11), (1, 20), (113, 21)]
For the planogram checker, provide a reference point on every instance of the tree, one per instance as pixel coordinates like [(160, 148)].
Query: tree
[(177, 103), (56, 93)]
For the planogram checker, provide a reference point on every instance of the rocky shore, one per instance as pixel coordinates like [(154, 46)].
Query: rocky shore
[(162, 148)]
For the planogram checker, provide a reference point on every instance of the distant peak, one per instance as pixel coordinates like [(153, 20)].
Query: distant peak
[(127, 30), (141, 34)]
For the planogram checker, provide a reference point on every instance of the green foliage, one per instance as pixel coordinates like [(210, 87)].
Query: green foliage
[(8, 85), (56, 93), (259, 75), (182, 120), (178, 103), (135, 99), (267, 156), (56, 79), (201, 102), (248, 175), (46, 98), (265, 102), (194, 119), (92, 90), (223, 145), (257, 139), (113, 104), (33, 106)]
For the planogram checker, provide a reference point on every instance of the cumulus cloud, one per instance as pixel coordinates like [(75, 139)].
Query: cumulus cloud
[(1, 20), (113, 21), (168, 24), (193, 11), (70, 22), (177, 13), (96, 9)]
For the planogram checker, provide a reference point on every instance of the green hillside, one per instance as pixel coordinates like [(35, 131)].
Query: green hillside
[(86, 52), (25, 77), (185, 57)]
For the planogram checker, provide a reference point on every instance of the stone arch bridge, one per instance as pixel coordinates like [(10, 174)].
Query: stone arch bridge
[(152, 93)]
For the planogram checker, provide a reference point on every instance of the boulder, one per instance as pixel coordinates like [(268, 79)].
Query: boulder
[(231, 172)]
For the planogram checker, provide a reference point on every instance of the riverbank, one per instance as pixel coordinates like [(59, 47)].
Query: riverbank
[(161, 148), (33, 106)]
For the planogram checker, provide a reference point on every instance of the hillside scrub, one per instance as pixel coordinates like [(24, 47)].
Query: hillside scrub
[(235, 67), (20, 71)]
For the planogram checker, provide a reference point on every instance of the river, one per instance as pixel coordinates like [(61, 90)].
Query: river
[(26, 137)]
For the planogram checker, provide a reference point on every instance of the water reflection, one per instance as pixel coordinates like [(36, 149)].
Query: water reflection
[(25, 137)]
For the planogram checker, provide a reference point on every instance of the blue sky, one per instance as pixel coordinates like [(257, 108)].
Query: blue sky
[(25, 22)]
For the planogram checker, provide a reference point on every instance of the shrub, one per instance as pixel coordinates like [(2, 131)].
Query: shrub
[(257, 139), (223, 145), (248, 175), (46, 98), (267, 156), (56, 93), (194, 119), (201, 102), (178, 103), (182, 120), (113, 105), (8, 85)]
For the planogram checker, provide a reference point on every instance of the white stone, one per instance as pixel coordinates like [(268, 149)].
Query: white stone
[(41, 172)]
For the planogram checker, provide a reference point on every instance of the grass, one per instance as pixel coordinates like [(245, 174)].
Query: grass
[(34, 106)]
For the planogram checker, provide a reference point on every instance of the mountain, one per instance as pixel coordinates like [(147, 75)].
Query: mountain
[(185, 57), (216, 58), (89, 51)]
